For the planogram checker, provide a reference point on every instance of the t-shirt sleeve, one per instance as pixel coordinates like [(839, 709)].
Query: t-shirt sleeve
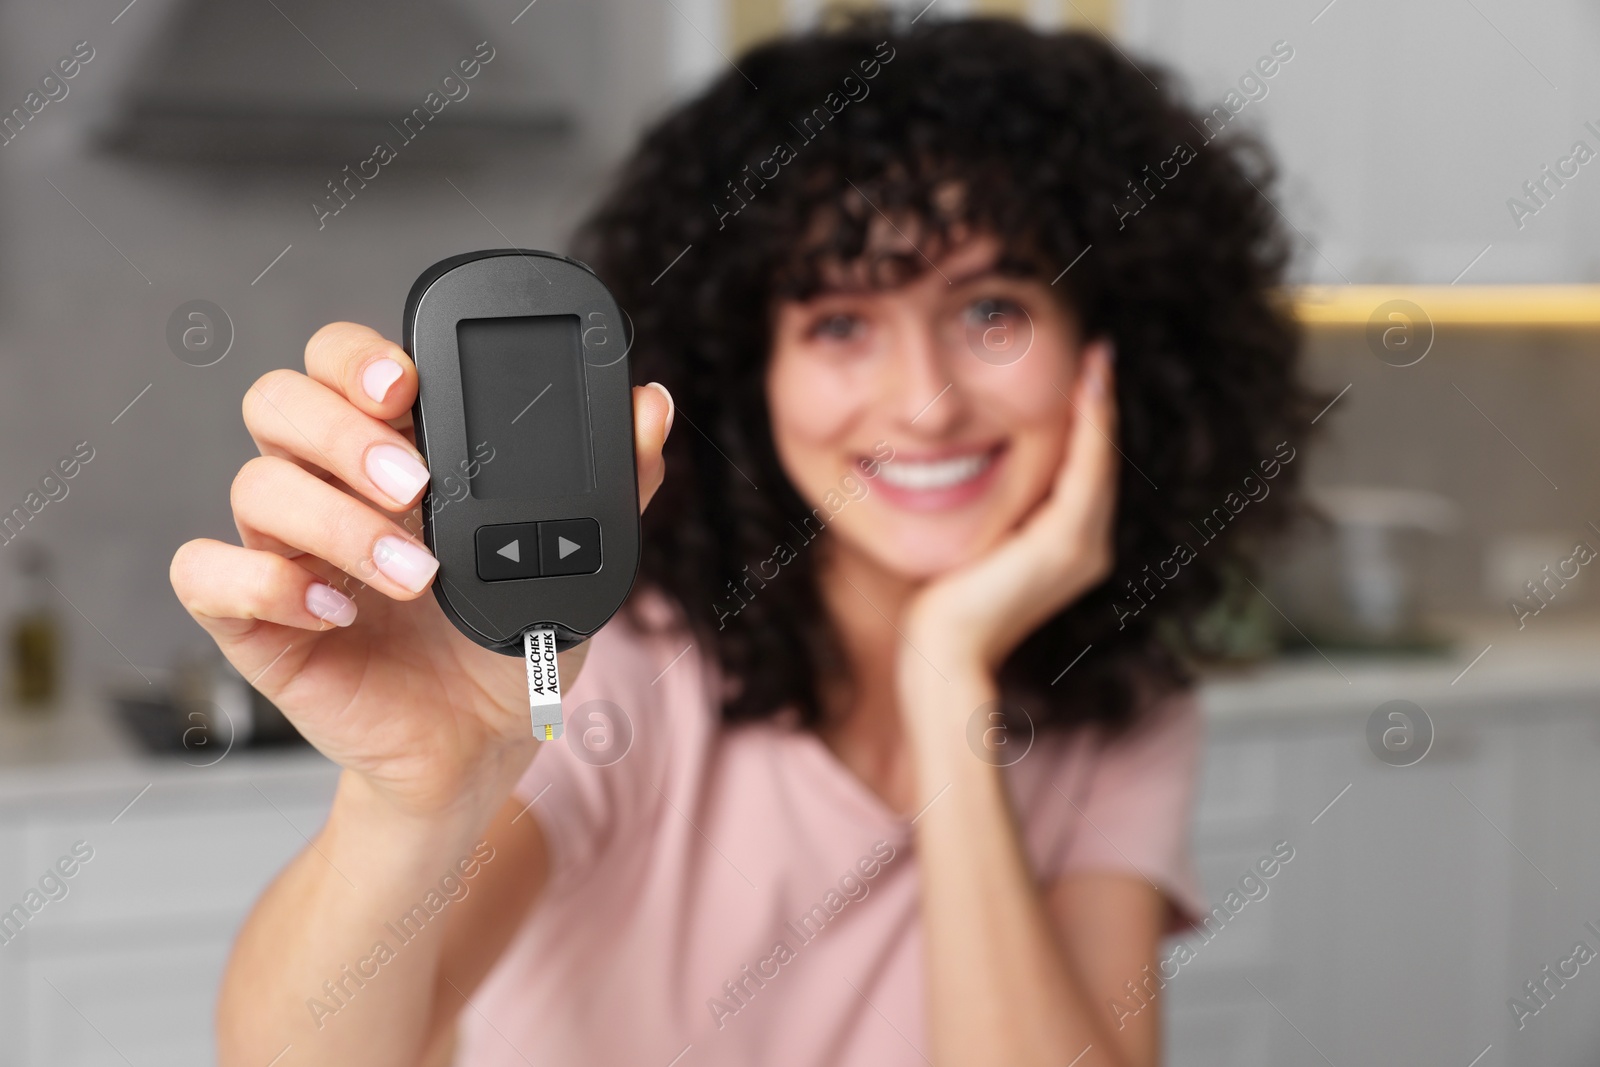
[(1134, 812), (596, 786)]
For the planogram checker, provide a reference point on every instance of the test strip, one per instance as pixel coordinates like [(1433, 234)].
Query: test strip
[(544, 682)]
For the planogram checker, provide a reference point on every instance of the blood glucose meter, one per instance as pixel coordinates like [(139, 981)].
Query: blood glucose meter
[(523, 387)]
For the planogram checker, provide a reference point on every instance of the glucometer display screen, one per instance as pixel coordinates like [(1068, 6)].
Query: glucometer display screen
[(523, 388)]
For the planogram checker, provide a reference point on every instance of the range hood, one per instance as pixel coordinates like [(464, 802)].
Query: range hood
[(296, 81)]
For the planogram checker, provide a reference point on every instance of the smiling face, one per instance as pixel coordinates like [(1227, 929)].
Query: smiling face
[(962, 371)]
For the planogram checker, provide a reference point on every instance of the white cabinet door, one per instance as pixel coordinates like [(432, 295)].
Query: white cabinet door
[(1416, 906), (1554, 817), (100, 1006), (13, 955), (125, 967), (1384, 939), (166, 863)]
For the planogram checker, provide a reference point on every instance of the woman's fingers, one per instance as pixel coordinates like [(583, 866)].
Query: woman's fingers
[(337, 417), (291, 416), (1087, 490), (1073, 528), (276, 503), (364, 367), (1091, 452), (220, 584), (653, 410)]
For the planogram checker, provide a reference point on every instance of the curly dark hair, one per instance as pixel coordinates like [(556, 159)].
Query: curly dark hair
[(1047, 135)]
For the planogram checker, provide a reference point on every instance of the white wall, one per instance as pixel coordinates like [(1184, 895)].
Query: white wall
[(82, 329)]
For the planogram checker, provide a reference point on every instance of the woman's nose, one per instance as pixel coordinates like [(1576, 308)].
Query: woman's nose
[(922, 386)]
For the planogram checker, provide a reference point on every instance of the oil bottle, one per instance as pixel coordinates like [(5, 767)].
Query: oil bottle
[(35, 635)]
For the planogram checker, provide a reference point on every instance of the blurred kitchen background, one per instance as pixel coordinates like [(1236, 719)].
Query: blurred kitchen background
[(1442, 858)]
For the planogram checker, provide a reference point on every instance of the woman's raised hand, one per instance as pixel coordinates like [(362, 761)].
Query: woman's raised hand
[(1064, 548), (325, 607)]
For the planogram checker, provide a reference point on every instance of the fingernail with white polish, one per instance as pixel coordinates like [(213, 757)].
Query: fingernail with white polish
[(378, 377), (672, 407), (330, 605), (401, 561), (396, 472)]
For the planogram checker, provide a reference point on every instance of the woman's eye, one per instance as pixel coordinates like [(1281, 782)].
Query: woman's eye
[(835, 327), (998, 331), (993, 311)]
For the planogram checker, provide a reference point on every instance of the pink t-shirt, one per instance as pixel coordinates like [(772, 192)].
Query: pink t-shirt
[(734, 895)]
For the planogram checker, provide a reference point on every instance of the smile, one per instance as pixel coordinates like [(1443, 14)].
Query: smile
[(935, 474)]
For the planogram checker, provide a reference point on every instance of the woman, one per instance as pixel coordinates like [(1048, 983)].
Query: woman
[(890, 758)]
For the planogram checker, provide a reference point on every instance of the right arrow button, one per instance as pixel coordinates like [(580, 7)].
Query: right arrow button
[(569, 546)]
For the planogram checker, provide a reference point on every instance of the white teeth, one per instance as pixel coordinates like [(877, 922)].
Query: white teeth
[(939, 474)]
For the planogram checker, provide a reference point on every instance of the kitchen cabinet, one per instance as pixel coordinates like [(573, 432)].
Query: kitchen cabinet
[(124, 967), (1417, 904), (149, 1000), (1419, 899), (1403, 130)]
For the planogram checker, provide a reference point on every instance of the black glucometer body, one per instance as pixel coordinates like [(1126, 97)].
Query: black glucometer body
[(524, 415)]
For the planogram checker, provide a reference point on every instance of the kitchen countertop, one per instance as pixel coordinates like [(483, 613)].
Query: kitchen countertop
[(1492, 665), (81, 749), (1553, 661)]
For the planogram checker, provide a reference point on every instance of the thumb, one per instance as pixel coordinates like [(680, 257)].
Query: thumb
[(653, 409)]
